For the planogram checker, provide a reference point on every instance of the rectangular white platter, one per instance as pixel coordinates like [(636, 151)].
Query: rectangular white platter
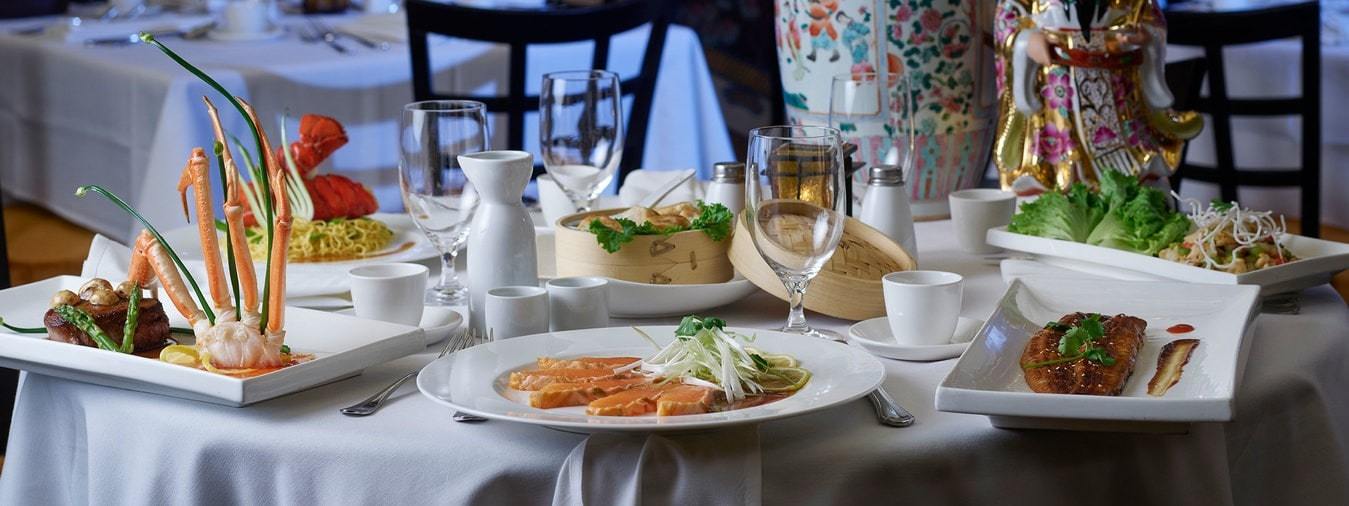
[(1319, 260), (988, 379), (343, 346)]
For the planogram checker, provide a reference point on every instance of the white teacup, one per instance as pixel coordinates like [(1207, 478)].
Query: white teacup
[(514, 311), (389, 292), (977, 210), (580, 302), (922, 306), (243, 17)]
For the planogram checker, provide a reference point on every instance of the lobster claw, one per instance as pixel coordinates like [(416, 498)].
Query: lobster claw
[(319, 137)]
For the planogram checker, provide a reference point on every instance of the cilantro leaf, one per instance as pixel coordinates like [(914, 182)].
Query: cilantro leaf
[(1056, 326), (1220, 206), (691, 325)]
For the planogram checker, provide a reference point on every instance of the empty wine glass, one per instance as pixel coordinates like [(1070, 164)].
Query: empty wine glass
[(794, 202), (581, 131), (875, 113), (435, 192)]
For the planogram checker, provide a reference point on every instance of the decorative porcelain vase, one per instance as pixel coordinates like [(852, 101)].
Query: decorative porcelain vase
[(939, 46), (501, 238)]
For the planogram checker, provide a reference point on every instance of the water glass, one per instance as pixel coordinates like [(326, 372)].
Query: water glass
[(794, 205), (435, 192), (581, 131)]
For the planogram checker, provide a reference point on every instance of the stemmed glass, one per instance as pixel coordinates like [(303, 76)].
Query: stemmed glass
[(794, 205), (581, 131), (435, 192), (875, 113)]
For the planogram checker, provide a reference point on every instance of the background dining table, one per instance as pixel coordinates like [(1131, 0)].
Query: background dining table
[(78, 443), (126, 117)]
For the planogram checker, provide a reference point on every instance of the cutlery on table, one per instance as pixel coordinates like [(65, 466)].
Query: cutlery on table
[(329, 31), (327, 37), (371, 405), (889, 412), (134, 38)]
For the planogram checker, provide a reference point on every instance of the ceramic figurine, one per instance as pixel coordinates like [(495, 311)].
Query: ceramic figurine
[(936, 44), (1082, 89)]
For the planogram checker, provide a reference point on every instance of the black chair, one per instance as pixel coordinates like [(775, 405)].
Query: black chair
[(9, 378), (1217, 29), (520, 28)]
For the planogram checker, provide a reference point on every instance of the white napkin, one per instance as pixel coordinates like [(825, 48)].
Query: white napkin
[(719, 467), (643, 181), (109, 260), (391, 28)]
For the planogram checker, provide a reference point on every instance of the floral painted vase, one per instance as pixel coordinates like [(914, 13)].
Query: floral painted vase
[(939, 48)]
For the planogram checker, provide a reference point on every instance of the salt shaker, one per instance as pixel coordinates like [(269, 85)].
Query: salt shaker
[(886, 207), (727, 186)]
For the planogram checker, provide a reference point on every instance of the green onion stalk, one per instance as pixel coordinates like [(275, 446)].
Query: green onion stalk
[(81, 191), (267, 211), (229, 251), (23, 330)]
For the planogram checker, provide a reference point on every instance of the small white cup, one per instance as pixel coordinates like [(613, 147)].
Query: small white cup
[(389, 292), (553, 201), (514, 311), (580, 302), (977, 210), (246, 17), (922, 306), (380, 6)]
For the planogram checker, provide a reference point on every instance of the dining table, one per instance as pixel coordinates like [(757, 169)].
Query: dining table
[(1288, 442), (125, 116)]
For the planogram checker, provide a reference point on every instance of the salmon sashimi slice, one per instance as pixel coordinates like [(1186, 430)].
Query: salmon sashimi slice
[(559, 395), (536, 379), (585, 362), (684, 400), (633, 402)]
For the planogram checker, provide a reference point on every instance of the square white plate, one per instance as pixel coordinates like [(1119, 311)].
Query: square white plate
[(343, 346), (1318, 261), (988, 379)]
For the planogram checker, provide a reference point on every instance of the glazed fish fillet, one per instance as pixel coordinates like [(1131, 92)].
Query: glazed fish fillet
[(584, 362), (1122, 339), (537, 379), (559, 395)]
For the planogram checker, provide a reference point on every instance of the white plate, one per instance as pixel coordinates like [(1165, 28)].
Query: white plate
[(1319, 260), (875, 336), (224, 36), (474, 380), (343, 347), (988, 379), (321, 278), (438, 322)]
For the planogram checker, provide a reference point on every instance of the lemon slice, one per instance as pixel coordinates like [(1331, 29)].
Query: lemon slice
[(784, 379), (781, 361), (179, 354)]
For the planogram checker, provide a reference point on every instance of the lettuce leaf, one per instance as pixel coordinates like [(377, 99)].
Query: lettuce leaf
[(1067, 217), (1138, 219)]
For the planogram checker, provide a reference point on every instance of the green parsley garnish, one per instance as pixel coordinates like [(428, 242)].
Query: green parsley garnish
[(713, 219), (1079, 342)]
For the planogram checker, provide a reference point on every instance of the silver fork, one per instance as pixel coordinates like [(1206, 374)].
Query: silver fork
[(327, 37), (370, 406)]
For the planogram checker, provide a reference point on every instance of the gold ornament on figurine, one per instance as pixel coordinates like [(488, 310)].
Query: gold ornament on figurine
[(1082, 89)]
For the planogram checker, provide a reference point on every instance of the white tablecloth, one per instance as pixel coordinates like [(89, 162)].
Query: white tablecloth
[(77, 443), (127, 117)]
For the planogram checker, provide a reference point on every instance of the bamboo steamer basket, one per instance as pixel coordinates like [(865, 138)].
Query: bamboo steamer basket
[(849, 285), (684, 258)]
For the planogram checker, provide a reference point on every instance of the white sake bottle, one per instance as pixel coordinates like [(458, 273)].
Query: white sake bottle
[(501, 238), (886, 207)]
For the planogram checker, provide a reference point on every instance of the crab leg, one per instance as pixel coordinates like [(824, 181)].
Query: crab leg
[(234, 219), (197, 176), (141, 273), (172, 281), (276, 176)]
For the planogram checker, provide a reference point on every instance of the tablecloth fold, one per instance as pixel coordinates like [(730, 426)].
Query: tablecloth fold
[(718, 467)]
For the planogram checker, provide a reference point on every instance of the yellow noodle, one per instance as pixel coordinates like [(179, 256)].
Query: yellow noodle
[(336, 239)]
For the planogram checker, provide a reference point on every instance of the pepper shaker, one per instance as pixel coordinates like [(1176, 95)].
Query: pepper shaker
[(727, 186), (886, 207)]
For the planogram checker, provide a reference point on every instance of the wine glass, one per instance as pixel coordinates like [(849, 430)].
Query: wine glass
[(794, 206), (435, 192), (875, 113), (581, 131)]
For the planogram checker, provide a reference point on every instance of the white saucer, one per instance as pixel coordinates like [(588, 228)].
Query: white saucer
[(223, 36), (438, 322), (874, 335)]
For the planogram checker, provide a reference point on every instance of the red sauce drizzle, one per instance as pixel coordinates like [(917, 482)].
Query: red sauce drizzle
[(1180, 328)]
